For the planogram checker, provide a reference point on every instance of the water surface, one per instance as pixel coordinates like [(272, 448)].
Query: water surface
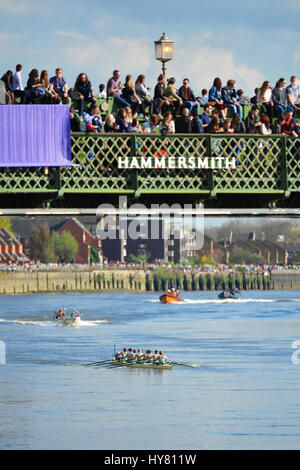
[(246, 397)]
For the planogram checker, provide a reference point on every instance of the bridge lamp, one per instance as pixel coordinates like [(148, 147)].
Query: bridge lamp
[(164, 51)]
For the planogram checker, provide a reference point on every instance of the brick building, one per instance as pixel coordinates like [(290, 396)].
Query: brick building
[(83, 237), (11, 249)]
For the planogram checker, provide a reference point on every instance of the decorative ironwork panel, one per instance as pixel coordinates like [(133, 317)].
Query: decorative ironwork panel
[(263, 164), (95, 164), (293, 163), (174, 180), (258, 162)]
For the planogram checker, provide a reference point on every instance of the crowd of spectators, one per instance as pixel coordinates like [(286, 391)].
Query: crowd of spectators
[(170, 109), (213, 268)]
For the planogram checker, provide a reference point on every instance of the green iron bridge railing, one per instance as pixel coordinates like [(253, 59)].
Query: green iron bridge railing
[(266, 171)]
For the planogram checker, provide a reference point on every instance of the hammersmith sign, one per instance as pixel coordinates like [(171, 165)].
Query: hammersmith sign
[(190, 163)]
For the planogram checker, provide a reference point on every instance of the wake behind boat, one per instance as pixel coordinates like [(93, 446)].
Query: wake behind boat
[(62, 317), (170, 297)]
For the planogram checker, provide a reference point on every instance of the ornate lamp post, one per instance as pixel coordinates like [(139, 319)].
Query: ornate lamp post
[(164, 51)]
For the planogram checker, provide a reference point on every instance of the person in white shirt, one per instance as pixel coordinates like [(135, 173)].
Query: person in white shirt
[(264, 96), (102, 93), (293, 95), (17, 85), (167, 125)]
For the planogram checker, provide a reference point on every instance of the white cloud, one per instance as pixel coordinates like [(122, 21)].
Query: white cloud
[(130, 56), (70, 35), (15, 8), (201, 63), (102, 22), (6, 36)]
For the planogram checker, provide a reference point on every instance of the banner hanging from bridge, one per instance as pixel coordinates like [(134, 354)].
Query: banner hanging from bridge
[(35, 135)]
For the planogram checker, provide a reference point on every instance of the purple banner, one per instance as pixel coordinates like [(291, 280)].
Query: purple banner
[(35, 135)]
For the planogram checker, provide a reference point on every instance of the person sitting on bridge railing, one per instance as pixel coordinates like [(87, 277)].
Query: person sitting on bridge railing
[(130, 96), (7, 79), (215, 97), (187, 95), (114, 87), (83, 91), (293, 95), (50, 96), (172, 96), (60, 86), (143, 93), (279, 97), (161, 104), (34, 89), (264, 97), (230, 97), (17, 85)]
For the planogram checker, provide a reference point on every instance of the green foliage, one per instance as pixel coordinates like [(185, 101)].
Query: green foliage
[(6, 223), (239, 255), (294, 234), (43, 241), (51, 247), (65, 247), (207, 260), (137, 259), (94, 255)]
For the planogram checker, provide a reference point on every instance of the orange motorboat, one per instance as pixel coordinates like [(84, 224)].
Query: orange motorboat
[(170, 297)]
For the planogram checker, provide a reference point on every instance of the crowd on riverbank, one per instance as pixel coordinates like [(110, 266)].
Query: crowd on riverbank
[(170, 109), (185, 268)]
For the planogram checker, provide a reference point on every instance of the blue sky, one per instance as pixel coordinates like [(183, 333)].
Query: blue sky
[(248, 41)]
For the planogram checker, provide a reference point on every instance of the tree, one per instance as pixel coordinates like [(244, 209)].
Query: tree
[(42, 241), (239, 255), (6, 223), (65, 247), (294, 234), (137, 259), (94, 255)]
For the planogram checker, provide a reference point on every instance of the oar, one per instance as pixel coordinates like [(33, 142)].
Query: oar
[(99, 363), (185, 365)]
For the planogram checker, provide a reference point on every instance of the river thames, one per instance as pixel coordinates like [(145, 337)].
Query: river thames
[(247, 395)]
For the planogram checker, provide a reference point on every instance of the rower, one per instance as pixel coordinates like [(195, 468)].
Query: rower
[(148, 356), (139, 355), (130, 356), (124, 354), (162, 359), (118, 355), (155, 355)]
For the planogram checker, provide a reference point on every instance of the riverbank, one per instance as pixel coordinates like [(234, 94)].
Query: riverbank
[(101, 280)]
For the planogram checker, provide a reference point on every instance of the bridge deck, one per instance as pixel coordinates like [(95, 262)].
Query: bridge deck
[(266, 169)]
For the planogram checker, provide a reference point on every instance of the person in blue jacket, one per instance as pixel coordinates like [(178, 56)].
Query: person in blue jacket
[(215, 97), (230, 98)]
